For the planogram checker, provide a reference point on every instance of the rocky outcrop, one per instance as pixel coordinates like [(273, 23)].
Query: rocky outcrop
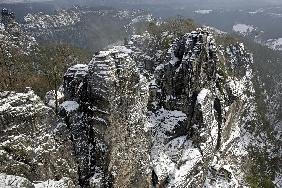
[(33, 144), (108, 127), (201, 109), (14, 181)]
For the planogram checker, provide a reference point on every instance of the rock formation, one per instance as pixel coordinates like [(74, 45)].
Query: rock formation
[(138, 116), (33, 144)]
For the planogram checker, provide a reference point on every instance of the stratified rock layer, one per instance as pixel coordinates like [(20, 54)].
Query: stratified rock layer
[(108, 127)]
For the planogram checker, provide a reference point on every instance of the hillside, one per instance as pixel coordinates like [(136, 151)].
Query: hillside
[(87, 28)]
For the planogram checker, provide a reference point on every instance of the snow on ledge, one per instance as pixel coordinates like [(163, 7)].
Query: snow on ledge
[(202, 95), (63, 183), (70, 106)]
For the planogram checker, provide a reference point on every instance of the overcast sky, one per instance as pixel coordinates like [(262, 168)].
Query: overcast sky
[(214, 3), (17, 1)]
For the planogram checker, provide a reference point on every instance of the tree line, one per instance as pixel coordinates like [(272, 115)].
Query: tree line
[(41, 69)]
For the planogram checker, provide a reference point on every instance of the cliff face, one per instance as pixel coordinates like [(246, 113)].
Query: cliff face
[(140, 116), (198, 116), (108, 126)]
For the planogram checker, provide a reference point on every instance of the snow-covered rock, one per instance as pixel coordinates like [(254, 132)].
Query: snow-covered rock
[(10, 181), (140, 115), (243, 29), (275, 44), (106, 105), (62, 183), (33, 143)]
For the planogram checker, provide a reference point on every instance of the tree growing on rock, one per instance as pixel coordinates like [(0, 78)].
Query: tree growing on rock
[(53, 62)]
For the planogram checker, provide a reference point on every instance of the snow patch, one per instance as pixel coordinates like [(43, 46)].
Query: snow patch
[(168, 152), (103, 54), (243, 29), (77, 70), (63, 183), (70, 106), (203, 11), (202, 95), (237, 87), (11, 181), (275, 44), (122, 49)]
